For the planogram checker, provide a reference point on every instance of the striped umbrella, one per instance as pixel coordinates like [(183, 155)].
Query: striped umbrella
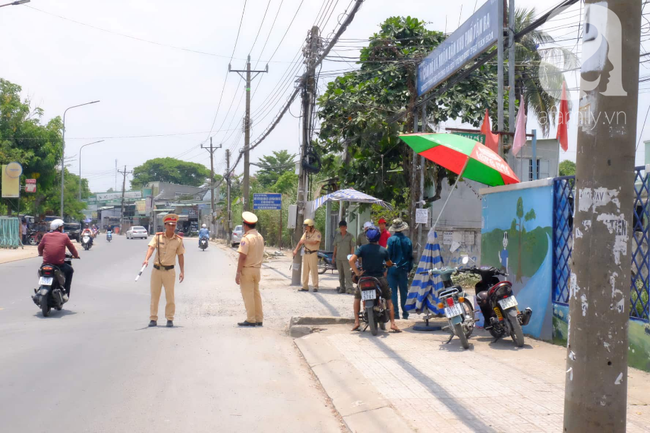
[(422, 293), (463, 156)]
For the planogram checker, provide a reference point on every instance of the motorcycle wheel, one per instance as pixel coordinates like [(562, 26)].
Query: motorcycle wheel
[(469, 312), (382, 325), (517, 332), (458, 330), (322, 266), (45, 308), (33, 241), (372, 323)]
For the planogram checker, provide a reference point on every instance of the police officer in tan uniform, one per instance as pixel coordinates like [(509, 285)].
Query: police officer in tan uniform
[(251, 254), (311, 241), (167, 245)]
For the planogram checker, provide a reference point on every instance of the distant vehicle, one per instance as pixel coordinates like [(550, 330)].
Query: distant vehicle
[(137, 232), (73, 230), (237, 235)]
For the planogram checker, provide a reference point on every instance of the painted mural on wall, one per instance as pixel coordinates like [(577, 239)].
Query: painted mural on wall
[(517, 238), (638, 355)]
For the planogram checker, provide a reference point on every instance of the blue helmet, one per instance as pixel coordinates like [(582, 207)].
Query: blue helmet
[(373, 235)]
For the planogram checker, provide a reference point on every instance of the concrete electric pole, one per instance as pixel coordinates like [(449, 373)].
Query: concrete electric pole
[(599, 302), (123, 173), (247, 126), (229, 216), (308, 100), (211, 150)]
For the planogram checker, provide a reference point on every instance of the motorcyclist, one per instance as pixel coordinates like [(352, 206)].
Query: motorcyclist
[(375, 258), (204, 233), (87, 231), (52, 248)]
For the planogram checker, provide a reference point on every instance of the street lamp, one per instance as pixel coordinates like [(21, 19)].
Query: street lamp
[(63, 149), (16, 3), (82, 148)]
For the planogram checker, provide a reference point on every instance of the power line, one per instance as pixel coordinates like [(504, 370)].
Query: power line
[(260, 27)]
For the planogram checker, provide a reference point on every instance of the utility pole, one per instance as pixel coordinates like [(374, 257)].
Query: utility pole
[(500, 16), (308, 99), (511, 67), (115, 188), (212, 149), (247, 126), (229, 216), (599, 301), (124, 173)]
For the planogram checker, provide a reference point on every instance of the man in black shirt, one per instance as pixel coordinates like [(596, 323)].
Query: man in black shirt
[(375, 258)]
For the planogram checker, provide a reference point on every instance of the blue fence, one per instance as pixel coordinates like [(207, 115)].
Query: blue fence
[(563, 208)]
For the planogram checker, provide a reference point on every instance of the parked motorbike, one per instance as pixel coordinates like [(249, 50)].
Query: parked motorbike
[(86, 242), (458, 309), (51, 283), (109, 236), (326, 261), (203, 243), (499, 306)]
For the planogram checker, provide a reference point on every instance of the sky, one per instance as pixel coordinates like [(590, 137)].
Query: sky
[(160, 70)]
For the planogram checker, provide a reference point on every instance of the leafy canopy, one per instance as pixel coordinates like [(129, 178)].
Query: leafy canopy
[(272, 167), (170, 170), (567, 168), (358, 110)]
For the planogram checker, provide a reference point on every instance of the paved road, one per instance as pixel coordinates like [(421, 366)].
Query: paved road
[(96, 367)]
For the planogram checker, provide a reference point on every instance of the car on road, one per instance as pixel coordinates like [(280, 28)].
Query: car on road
[(137, 232), (73, 230), (237, 235)]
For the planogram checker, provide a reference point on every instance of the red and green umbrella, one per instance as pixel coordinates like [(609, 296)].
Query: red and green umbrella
[(463, 156)]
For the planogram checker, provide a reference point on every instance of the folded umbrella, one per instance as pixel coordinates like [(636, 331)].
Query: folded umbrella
[(422, 297)]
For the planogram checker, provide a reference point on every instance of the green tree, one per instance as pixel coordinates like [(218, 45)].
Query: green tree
[(72, 206), (286, 183), (170, 170), (37, 146), (272, 167), (567, 168), (358, 112)]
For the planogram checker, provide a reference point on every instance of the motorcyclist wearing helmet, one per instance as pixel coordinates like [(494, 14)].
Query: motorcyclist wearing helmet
[(87, 231), (204, 233), (52, 248), (375, 258), (311, 241)]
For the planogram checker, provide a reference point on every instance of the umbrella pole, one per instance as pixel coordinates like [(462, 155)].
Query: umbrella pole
[(449, 196)]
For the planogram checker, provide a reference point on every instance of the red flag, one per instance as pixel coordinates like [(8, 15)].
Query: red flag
[(563, 120), (491, 140)]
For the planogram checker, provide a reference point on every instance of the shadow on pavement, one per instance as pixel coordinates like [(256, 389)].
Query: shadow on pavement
[(55, 314), (503, 344), (464, 415), (333, 311)]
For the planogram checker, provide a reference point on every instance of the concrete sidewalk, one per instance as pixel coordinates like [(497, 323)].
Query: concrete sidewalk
[(415, 382), (11, 255)]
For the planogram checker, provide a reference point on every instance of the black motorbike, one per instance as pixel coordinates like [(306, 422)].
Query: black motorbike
[(51, 283), (203, 243), (326, 261), (499, 305), (375, 311)]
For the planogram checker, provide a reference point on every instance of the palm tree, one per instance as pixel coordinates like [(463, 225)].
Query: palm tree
[(539, 68)]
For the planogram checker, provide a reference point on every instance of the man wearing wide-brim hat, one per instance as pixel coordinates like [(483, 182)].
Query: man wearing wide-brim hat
[(251, 255), (167, 246), (400, 252)]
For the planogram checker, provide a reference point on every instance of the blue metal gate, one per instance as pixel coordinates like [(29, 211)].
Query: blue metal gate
[(563, 209)]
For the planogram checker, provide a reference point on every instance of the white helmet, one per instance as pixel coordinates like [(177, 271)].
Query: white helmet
[(204, 226), (56, 224)]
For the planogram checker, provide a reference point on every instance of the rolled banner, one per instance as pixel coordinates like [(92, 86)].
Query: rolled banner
[(140, 273)]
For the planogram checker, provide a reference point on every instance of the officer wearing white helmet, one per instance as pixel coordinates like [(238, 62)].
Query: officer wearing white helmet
[(52, 248), (311, 241), (204, 233)]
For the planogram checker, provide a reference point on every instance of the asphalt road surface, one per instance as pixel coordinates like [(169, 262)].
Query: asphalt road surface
[(96, 367)]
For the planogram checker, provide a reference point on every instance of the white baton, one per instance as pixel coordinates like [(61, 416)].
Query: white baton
[(140, 273)]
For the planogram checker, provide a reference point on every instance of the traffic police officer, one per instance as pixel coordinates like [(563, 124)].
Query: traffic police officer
[(311, 241), (167, 245), (251, 254)]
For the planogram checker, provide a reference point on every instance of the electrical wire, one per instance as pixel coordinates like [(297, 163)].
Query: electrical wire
[(260, 27)]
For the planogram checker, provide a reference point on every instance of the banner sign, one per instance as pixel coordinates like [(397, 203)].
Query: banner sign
[(11, 180), (118, 195), (30, 185), (267, 201), (476, 137), (472, 38)]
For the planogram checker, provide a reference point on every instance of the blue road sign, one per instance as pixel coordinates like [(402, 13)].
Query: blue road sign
[(267, 201), (472, 38)]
